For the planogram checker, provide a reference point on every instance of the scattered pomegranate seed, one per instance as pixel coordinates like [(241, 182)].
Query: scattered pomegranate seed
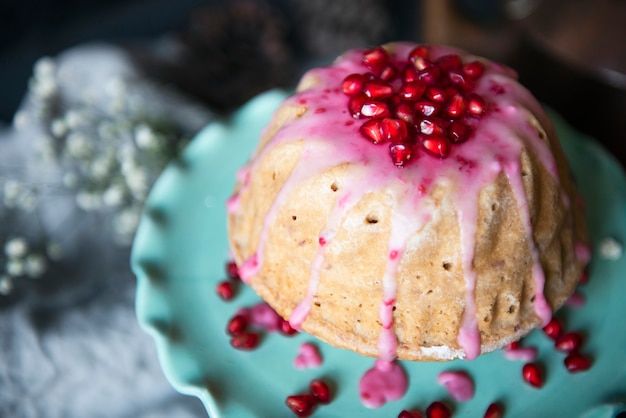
[(420, 51), (460, 80), (476, 105), (225, 290), (393, 129), (429, 75), (458, 132), (426, 108), (401, 153), (355, 104), (532, 374), (353, 84), (553, 329), (376, 59), (301, 405), (405, 111), (320, 391), (246, 341), (576, 362), (378, 89), (431, 126), (584, 278), (237, 325), (438, 409), (388, 73), (375, 109), (474, 69), (569, 342), (287, 329), (456, 106), (410, 74), (436, 94), (371, 130), (412, 90), (410, 414), (232, 270), (449, 62), (495, 410), (437, 145)]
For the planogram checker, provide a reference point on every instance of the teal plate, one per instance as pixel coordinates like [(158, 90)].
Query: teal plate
[(179, 255)]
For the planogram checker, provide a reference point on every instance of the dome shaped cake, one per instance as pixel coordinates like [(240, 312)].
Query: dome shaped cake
[(410, 202)]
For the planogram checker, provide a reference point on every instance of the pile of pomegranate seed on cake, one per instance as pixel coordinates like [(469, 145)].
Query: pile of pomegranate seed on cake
[(416, 102)]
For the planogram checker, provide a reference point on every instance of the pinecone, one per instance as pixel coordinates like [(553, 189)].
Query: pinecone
[(229, 53), (327, 28)]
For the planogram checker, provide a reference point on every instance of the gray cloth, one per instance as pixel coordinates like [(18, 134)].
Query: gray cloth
[(70, 343)]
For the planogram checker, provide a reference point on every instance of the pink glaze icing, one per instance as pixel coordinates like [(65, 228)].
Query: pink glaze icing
[(458, 384), (262, 316), (385, 382), (308, 357), (333, 139)]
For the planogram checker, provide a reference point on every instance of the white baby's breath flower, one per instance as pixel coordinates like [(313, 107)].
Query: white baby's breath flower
[(35, 265), (44, 67), (78, 145), (6, 285), (16, 247), (27, 201), (88, 201), (100, 168), (113, 196), (75, 119), (21, 119), (145, 137), (44, 88), (45, 148), (15, 267), (59, 128), (106, 130), (116, 87), (137, 179)]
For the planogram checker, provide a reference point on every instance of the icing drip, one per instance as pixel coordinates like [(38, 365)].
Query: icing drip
[(308, 357), (458, 384), (384, 382)]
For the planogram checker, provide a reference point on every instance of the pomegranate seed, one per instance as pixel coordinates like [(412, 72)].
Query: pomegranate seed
[(232, 270), (474, 69), (495, 410), (405, 111), (512, 346), (439, 146), (237, 325), (388, 73), (458, 79), (412, 90), (393, 129), (438, 409), (436, 94), (476, 105), (375, 109), (225, 290), (429, 75), (456, 106), (353, 84), (584, 278), (569, 342), (532, 374), (553, 329), (410, 73), (449, 62), (431, 126), (378, 89), (320, 391), (301, 405), (287, 329), (576, 362), (458, 132), (426, 108), (401, 153), (420, 51), (376, 59), (246, 341), (355, 104), (371, 130), (410, 414)]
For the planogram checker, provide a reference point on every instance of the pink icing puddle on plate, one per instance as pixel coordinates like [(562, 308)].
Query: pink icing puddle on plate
[(308, 357), (521, 353), (385, 382), (262, 316), (458, 384)]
